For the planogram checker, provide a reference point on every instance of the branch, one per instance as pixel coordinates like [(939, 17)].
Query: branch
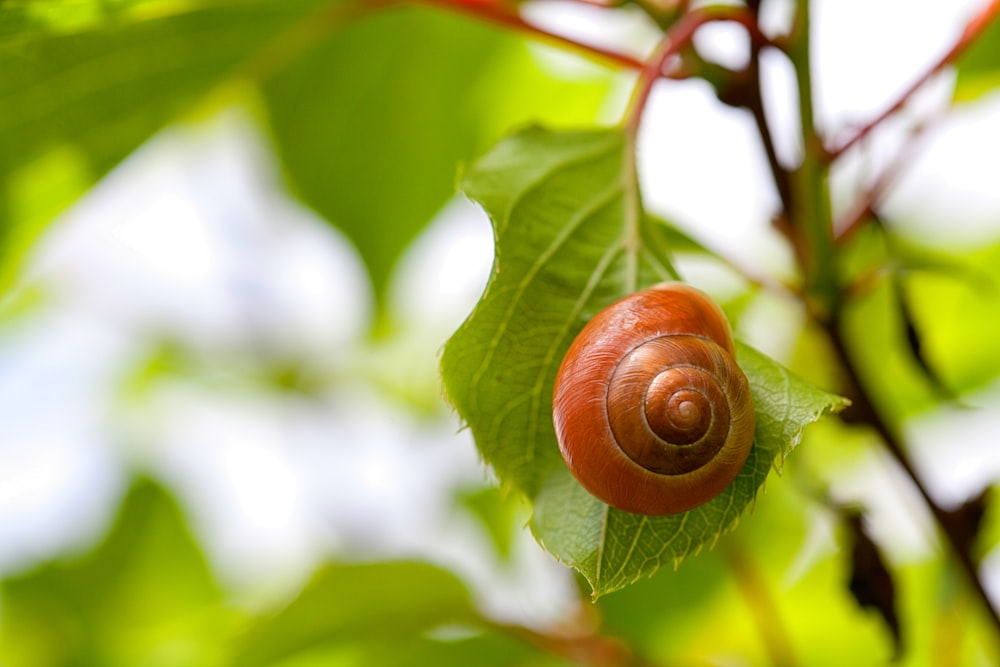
[(580, 646), (755, 103), (676, 38), (603, 4), (864, 406), (810, 221), (973, 29), (859, 214), (499, 15)]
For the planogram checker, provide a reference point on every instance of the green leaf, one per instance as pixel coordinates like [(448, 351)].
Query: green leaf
[(921, 325), (520, 86), (959, 319), (500, 515), (144, 594), (612, 548), (485, 650), (368, 604), (26, 18), (461, 650), (679, 241), (371, 123), (564, 209), (979, 67), (82, 90), (570, 239), (922, 330)]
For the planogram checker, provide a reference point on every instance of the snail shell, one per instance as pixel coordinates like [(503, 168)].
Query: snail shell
[(652, 414)]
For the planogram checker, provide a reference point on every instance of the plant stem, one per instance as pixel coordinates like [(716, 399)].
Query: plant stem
[(671, 44), (973, 29), (755, 103), (811, 225), (499, 15), (810, 217), (860, 213), (676, 38), (584, 647), (865, 408), (603, 4)]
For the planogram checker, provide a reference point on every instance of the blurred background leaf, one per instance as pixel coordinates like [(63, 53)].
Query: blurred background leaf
[(83, 89), (979, 66), (379, 605), (144, 596), (371, 124), (370, 116)]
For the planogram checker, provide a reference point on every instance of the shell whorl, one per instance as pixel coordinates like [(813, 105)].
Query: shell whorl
[(652, 414)]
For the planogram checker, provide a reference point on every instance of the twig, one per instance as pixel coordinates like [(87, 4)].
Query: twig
[(603, 4), (810, 220), (863, 405), (499, 15), (755, 103), (975, 27), (859, 214), (584, 647), (671, 44), (679, 36)]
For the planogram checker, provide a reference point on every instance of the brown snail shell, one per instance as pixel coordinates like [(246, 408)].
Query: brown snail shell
[(652, 413)]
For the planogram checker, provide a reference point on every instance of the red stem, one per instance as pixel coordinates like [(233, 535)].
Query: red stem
[(498, 14), (859, 214), (975, 27), (679, 36), (603, 4)]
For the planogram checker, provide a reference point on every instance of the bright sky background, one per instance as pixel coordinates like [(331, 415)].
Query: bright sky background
[(194, 236)]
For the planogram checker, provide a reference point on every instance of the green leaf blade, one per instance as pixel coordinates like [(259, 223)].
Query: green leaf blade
[(145, 591), (368, 604), (613, 549), (558, 202), (570, 239), (370, 123), (81, 94)]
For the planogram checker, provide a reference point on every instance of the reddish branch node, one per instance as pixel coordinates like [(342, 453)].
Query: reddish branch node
[(676, 38)]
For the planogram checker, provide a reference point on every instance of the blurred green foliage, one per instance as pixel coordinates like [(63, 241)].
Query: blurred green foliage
[(84, 89), (143, 596), (370, 116), (372, 142)]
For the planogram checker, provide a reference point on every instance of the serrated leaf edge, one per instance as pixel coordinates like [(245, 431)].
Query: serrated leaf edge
[(839, 404)]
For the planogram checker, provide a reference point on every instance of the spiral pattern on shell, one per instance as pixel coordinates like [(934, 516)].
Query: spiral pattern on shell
[(652, 414)]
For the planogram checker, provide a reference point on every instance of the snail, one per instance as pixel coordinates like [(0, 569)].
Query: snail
[(652, 414)]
